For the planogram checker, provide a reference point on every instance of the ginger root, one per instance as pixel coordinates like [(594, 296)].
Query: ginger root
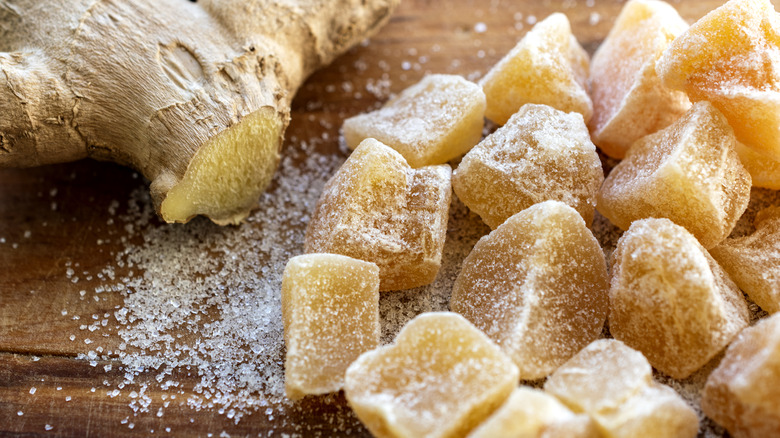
[(194, 95)]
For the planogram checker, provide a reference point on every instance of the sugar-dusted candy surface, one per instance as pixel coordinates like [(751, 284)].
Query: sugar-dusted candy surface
[(431, 122), (536, 285), (689, 173), (741, 394), (670, 300), (629, 100), (330, 308), (531, 413), (753, 261), (731, 57), (764, 170), (548, 66), (440, 378), (540, 154), (377, 208), (613, 384)]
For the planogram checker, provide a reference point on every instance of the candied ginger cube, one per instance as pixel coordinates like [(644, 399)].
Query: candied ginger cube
[(670, 299), (731, 57), (689, 173), (438, 119), (764, 170), (540, 154), (741, 394), (536, 285), (440, 378), (548, 66), (330, 309), (753, 261), (629, 100), (377, 208), (531, 413), (612, 383)]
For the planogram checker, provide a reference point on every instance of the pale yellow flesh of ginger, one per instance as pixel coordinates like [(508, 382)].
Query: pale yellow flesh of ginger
[(227, 175)]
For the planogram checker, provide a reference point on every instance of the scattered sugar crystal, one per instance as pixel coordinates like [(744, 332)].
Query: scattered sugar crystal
[(689, 173), (432, 122), (330, 306), (741, 394), (629, 100), (32, 390), (376, 208), (731, 58), (440, 378), (19, 413), (48, 427), (548, 66), (537, 286), (612, 383), (753, 261), (540, 154), (480, 27), (670, 300)]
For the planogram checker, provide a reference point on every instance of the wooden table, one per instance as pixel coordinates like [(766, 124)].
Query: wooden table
[(57, 218)]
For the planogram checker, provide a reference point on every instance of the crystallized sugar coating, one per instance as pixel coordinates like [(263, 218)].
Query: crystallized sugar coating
[(753, 261), (540, 154), (731, 57), (764, 170), (548, 66), (378, 209), (612, 383), (688, 172), (629, 100), (670, 300), (330, 307), (531, 413), (440, 378), (741, 394), (438, 119), (536, 285)]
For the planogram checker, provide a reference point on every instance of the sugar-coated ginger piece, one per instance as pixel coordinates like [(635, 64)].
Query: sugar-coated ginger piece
[(548, 66), (764, 170), (629, 100), (440, 378), (689, 173), (731, 57), (753, 261), (540, 154), (741, 394), (670, 299), (330, 309), (377, 208), (531, 413), (613, 384), (432, 122), (536, 285)]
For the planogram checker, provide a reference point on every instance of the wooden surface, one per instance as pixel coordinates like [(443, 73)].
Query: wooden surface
[(51, 218)]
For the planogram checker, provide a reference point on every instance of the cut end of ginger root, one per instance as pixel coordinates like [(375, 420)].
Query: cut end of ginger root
[(227, 175)]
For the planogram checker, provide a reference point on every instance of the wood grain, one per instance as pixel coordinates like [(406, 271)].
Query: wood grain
[(56, 217)]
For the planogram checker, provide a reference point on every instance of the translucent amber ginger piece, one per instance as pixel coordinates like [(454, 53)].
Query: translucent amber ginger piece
[(688, 172), (540, 154), (432, 122), (536, 285), (376, 208), (440, 378), (548, 66), (330, 308), (741, 394), (531, 413), (629, 100), (731, 57), (670, 300), (612, 383), (764, 171), (753, 261)]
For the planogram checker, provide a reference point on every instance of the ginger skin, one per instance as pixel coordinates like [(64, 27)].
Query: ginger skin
[(194, 95)]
